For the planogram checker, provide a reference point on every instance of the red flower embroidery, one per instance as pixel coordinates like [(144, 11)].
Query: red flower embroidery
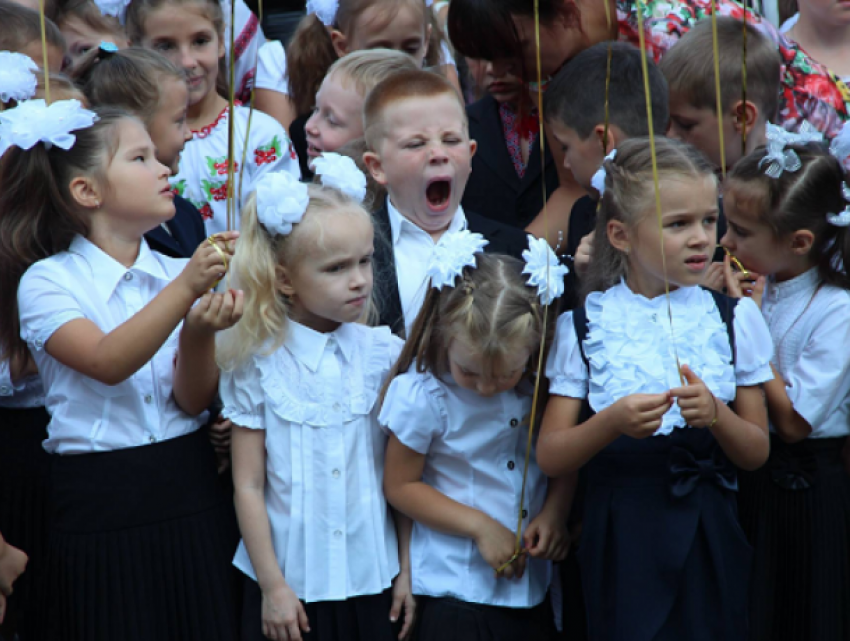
[(206, 212), (219, 193), (264, 156)]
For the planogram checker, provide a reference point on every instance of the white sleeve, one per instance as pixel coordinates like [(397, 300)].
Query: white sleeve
[(243, 397), (446, 57), (411, 414), (753, 345), (271, 68), (44, 305), (565, 367), (819, 382)]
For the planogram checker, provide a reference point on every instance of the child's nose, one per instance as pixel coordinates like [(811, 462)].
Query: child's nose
[(486, 388), (187, 59)]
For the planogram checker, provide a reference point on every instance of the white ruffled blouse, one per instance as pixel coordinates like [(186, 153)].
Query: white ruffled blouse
[(630, 349), (315, 398)]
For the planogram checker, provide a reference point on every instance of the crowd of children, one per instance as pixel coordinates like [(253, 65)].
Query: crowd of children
[(427, 325)]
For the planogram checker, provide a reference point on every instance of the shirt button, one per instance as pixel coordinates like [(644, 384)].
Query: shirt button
[(153, 439), (148, 399), (5, 390), (335, 474), (338, 533), (514, 422), (128, 276), (511, 465), (525, 514)]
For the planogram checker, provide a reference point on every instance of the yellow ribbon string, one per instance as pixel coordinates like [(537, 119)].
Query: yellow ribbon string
[(44, 65), (518, 551), (743, 83), (717, 88), (251, 107), (641, 4), (231, 113)]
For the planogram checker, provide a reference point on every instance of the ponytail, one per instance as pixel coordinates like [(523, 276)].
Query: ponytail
[(309, 56), (40, 217)]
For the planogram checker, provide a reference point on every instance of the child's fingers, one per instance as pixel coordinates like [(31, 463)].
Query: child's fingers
[(238, 305), (303, 621), (397, 605), (409, 617)]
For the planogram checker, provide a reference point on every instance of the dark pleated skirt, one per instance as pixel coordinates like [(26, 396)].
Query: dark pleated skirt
[(796, 513), (362, 618), (447, 619), (24, 472), (141, 545)]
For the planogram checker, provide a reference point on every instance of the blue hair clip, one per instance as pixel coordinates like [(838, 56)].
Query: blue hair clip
[(108, 47)]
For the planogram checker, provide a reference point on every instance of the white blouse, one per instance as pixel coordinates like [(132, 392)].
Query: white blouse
[(86, 415), (28, 392), (629, 347), (811, 337), (332, 531), (474, 451), (249, 39), (202, 178), (271, 68)]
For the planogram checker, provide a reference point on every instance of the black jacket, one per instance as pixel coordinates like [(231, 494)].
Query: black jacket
[(187, 232)]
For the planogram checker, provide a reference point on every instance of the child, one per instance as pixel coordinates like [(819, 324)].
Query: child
[(338, 116), (333, 29), (792, 229), (301, 377), (662, 555), (574, 111), (140, 543), (190, 33), (507, 183), (153, 89), (419, 148), (85, 27), (456, 413), (689, 69), (21, 33)]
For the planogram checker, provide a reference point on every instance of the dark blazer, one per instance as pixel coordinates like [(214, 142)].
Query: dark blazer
[(503, 239), (187, 232), (494, 189)]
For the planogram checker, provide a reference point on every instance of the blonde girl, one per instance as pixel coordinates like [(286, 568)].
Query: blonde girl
[(301, 378)]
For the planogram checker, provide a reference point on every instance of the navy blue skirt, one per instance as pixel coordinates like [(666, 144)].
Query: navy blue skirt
[(662, 554), (796, 511), (141, 545), (447, 619), (24, 473)]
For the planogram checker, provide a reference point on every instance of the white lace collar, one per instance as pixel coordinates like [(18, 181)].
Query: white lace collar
[(630, 346)]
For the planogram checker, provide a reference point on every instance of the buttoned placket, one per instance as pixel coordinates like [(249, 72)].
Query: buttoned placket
[(335, 465), (515, 438)]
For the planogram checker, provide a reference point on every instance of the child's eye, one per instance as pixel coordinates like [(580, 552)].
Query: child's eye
[(710, 220), (163, 46), (452, 141), (415, 144), (201, 41), (336, 268), (366, 260)]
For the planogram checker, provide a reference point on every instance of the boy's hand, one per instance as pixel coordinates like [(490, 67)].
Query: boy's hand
[(215, 312), (698, 404), (547, 537)]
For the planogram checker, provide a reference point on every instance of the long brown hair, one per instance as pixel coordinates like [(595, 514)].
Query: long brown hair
[(491, 307), (40, 217)]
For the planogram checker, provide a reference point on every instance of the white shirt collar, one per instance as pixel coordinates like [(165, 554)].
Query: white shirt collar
[(805, 282), (308, 345), (109, 271), (399, 222)]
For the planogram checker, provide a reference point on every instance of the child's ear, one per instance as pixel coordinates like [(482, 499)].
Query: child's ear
[(614, 137), (284, 282), (375, 167), (744, 114), (339, 42), (85, 192), (618, 236), (802, 241), (221, 49), (427, 39), (473, 147)]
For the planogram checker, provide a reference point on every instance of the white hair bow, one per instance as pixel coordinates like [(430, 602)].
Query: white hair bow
[(341, 172), (324, 10), (281, 202), (779, 158), (34, 121), (598, 180), (841, 219), (545, 271), (840, 145), (17, 76), (453, 252), (114, 8)]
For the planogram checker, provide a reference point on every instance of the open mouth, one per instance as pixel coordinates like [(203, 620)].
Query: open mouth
[(697, 263), (439, 193)]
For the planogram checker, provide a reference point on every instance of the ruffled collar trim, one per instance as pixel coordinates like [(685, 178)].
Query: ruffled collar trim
[(805, 282), (630, 346)]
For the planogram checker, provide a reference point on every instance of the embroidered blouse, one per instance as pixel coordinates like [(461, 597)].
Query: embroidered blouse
[(315, 398), (630, 349)]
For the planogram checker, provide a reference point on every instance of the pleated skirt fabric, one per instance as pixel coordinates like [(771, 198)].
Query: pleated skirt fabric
[(361, 618), (447, 619), (24, 475), (796, 513), (141, 544)]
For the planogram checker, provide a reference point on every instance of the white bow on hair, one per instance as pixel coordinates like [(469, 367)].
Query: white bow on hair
[(341, 172), (544, 269), (282, 201), (453, 252), (34, 121), (598, 179), (779, 158), (17, 76)]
